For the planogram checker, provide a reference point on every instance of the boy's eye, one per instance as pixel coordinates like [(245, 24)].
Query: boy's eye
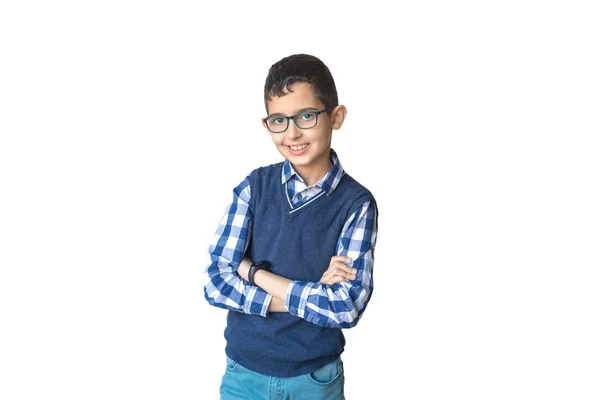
[(277, 120), (307, 116)]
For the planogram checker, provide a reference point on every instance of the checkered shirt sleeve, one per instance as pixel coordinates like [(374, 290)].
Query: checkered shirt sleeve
[(223, 287), (341, 305)]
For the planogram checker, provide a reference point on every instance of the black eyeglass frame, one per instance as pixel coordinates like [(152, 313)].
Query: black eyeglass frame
[(293, 118)]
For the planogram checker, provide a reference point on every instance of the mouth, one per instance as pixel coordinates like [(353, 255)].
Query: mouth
[(297, 150)]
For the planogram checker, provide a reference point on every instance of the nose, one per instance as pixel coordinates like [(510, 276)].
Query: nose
[(293, 131)]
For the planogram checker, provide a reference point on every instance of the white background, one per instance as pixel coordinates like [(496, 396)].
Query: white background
[(125, 126)]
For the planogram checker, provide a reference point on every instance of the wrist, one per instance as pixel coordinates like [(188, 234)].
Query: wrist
[(244, 268), (254, 267)]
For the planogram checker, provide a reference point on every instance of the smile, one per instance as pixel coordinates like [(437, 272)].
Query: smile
[(298, 150)]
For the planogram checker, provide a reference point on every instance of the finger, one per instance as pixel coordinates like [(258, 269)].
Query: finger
[(335, 279), (345, 268), (335, 269), (348, 273), (343, 259), (342, 273)]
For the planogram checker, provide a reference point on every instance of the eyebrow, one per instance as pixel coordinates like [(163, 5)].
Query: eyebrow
[(296, 113)]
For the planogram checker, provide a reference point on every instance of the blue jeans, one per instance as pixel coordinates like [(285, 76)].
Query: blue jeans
[(323, 384)]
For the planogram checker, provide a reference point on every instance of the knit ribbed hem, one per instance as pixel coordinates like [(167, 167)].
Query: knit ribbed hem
[(282, 369)]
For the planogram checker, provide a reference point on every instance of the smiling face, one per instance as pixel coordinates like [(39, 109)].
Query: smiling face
[(306, 149)]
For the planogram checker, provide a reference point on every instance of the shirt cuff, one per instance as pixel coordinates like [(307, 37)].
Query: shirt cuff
[(257, 302), (296, 297)]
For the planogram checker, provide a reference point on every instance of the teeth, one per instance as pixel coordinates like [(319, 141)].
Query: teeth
[(296, 148)]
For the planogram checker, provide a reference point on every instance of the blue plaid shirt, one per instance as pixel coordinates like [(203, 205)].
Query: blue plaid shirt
[(339, 305)]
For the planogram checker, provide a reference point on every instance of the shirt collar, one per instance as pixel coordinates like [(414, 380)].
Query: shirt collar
[(328, 183)]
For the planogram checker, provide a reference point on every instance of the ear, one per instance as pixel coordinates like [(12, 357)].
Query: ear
[(264, 124), (338, 115)]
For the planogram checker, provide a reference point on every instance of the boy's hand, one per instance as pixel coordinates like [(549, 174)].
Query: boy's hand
[(338, 271)]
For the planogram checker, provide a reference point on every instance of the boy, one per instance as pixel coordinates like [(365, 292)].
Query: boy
[(292, 258)]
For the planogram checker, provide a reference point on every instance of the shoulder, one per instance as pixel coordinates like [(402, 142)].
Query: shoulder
[(358, 197), (260, 179), (350, 188), (266, 171), (250, 186)]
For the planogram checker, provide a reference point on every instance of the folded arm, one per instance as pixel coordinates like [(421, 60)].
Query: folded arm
[(223, 286), (337, 305)]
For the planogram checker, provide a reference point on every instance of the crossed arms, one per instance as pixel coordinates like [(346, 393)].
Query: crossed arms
[(278, 286), (336, 301)]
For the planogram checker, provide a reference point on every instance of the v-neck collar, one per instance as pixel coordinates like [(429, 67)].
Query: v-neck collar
[(328, 183), (296, 210)]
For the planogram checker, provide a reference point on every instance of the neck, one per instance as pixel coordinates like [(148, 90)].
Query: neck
[(313, 173)]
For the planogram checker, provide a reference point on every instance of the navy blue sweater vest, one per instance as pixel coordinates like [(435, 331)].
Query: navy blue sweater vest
[(299, 243)]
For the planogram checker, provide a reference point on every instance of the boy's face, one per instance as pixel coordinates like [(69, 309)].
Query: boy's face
[(306, 149)]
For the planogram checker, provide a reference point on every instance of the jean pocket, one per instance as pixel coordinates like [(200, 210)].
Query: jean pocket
[(231, 365), (328, 374)]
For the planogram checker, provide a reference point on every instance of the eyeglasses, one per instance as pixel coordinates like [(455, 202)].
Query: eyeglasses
[(303, 120)]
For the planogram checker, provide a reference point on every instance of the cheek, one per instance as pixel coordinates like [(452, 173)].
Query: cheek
[(278, 140), (320, 136)]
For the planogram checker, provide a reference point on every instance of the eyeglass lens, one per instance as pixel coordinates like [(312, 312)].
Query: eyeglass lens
[(304, 120)]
